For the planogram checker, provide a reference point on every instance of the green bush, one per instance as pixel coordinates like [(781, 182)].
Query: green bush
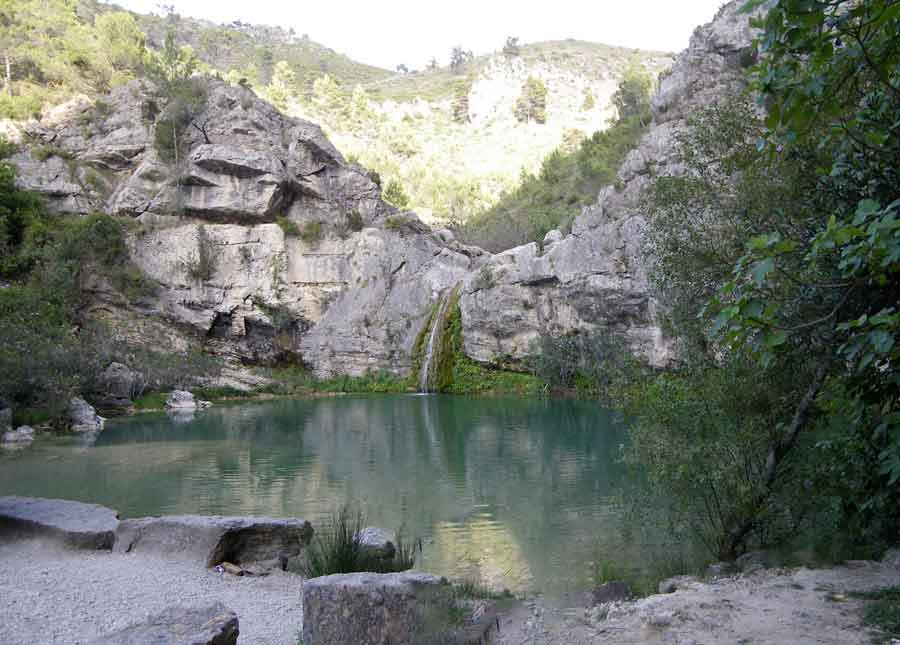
[(395, 195), (532, 103), (201, 265)]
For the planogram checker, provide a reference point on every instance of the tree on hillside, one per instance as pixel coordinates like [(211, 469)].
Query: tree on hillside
[(460, 105), (283, 86), (122, 43), (395, 195), (459, 57), (532, 102), (402, 69), (432, 64), (632, 96), (511, 47)]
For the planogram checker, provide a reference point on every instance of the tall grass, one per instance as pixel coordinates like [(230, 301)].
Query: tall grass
[(337, 548)]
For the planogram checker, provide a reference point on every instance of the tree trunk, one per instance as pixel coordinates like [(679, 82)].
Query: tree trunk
[(8, 63), (778, 450)]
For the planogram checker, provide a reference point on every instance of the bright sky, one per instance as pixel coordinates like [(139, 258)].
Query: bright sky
[(389, 32)]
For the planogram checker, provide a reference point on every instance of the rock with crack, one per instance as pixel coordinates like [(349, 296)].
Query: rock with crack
[(212, 540), (214, 624), (72, 524)]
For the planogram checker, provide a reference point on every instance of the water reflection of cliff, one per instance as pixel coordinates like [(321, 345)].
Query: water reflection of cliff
[(510, 491)]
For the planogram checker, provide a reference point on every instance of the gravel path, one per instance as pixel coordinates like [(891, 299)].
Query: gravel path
[(52, 596)]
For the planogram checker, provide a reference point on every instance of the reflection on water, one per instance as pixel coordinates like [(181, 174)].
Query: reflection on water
[(515, 493)]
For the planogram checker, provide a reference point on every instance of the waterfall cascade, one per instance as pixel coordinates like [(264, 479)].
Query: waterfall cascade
[(432, 347)]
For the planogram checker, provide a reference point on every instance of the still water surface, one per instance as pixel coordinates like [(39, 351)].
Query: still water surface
[(515, 493)]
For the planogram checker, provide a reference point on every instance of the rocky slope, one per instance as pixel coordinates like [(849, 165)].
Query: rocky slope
[(264, 243)]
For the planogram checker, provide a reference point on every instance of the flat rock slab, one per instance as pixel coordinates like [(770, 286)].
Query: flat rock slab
[(398, 608), (214, 539), (212, 625), (75, 524)]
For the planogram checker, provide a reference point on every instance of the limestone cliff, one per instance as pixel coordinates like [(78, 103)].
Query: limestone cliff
[(596, 277), (264, 243)]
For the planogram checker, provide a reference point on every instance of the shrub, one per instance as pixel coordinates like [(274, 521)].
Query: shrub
[(289, 228), (311, 232), (355, 221), (201, 265)]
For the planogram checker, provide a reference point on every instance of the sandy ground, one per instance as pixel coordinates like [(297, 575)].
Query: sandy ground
[(786, 606), (48, 595)]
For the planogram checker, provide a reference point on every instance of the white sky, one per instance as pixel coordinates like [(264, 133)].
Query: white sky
[(389, 32)]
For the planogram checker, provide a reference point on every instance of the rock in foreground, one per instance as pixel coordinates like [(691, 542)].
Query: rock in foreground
[(215, 539), (397, 608), (212, 625), (73, 524)]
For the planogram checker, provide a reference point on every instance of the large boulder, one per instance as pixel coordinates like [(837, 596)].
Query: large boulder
[(73, 524), (21, 435), (214, 539), (398, 608), (211, 625), (83, 417)]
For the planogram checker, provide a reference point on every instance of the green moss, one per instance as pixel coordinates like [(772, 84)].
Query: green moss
[(44, 152), (395, 222), (32, 417)]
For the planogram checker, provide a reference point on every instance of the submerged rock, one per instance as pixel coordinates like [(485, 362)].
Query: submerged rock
[(212, 625), (83, 417), (72, 524), (215, 539), (398, 608)]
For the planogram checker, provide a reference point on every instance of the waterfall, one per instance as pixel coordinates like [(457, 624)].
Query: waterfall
[(437, 322)]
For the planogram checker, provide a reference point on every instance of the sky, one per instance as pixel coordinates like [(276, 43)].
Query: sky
[(389, 32)]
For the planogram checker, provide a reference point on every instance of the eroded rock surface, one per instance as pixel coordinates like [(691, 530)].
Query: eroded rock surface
[(211, 540), (211, 625), (73, 524)]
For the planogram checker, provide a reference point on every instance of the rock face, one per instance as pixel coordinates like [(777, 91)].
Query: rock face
[(72, 524), (212, 540), (211, 625), (83, 417), (396, 608), (266, 245), (120, 381), (596, 277)]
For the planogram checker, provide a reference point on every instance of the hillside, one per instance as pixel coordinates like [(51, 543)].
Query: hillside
[(249, 49), (450, 139)]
